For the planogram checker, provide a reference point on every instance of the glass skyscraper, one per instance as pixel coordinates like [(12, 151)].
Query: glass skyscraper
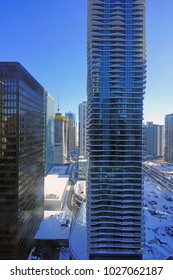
[(49, 131), (71, 138), (115, 89), (22, 138), (60, 138)]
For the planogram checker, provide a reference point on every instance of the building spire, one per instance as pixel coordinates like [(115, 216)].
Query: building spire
[(58, 105)]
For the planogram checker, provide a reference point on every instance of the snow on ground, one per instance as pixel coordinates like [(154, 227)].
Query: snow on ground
[(158, 212)]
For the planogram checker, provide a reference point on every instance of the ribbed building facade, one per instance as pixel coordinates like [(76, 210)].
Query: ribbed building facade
[(115, 88)]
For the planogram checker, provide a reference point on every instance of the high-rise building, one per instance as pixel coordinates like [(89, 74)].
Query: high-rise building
[(169, 138), (2, 121), (115, 88), (154, 139), (82, 128), (22, 160), (60, 138), (71, 138), (49, 132)]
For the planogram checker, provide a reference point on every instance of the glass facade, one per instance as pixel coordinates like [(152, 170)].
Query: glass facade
[(60, 138), (115, 88), (71, 138), (82, 128), (49, 142), (22, 161)]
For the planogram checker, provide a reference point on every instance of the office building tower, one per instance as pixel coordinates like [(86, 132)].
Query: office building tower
[(22, 160), (169, 138), (71, 138), (49, 131), (115, 87), (2, 121), (82, 128), (60, 138), (154, 139)]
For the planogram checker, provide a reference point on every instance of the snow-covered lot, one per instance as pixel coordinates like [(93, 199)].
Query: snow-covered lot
[(158, 212)]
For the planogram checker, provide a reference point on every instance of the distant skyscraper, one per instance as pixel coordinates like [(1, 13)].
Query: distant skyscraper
[(60, 138), (169, 138), (71, 139), (82, 128), (154, 139), (49, 143), (22, 160), (116, 79)]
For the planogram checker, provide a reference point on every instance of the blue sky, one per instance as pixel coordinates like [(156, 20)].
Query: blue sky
[(48, 37)]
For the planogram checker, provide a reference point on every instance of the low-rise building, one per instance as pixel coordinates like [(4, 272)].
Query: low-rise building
[(79, 193), (54, 230), (55, 185), (161, 173)]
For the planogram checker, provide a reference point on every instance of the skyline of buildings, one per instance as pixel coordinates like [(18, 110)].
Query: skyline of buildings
[(28, 124), (33, 139), (116, 82)]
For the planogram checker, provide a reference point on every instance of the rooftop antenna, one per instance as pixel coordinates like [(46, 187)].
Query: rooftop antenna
[(58, 105)]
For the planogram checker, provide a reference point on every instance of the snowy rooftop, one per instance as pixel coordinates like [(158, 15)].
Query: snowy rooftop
[(82, 159), (55, 185), (80, 188), (59, 170), (164, 168), (55, 226)]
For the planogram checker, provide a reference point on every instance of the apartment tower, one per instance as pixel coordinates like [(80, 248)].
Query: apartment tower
[(115, 88), (154, 139)]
